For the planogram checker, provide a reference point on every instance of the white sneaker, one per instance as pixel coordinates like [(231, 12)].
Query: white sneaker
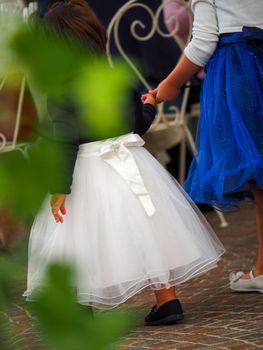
[(253, 284)]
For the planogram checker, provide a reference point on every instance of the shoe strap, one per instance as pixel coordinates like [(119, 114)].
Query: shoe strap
[(251, 275)]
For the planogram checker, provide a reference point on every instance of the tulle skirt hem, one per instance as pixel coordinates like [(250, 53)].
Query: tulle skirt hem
[(155, 281)]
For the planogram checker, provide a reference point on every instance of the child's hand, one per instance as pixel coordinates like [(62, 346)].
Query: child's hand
[(148, 98), (165, 92), (58, 206)]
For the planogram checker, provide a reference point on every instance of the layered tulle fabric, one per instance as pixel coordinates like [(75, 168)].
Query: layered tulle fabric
[(229, 159), (115, 245)]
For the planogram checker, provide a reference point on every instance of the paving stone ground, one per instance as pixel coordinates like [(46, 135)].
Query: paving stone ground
[(215, 317)]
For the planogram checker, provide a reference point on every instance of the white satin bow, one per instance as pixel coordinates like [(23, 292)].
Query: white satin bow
[(116, 153)]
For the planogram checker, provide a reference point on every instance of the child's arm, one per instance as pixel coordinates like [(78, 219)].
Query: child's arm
[(66, 139), (197, 53), (148, 114), (58, 206)]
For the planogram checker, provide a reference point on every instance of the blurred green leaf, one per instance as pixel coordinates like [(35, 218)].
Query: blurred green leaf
[(48, 61), (69, 326), (17, 184), (25, 181), (9, 273), (104, 95), (12, 271), (9, 25)]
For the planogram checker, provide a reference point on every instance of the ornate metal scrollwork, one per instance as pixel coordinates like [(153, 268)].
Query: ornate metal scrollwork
[(140, 32)]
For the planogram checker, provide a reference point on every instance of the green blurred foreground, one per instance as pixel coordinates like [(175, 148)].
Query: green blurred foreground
[(62, 323), (58, 70), (101, 94), (70, 326)]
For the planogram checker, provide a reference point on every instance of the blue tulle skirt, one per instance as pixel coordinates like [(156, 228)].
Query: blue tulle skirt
[(229, 160)]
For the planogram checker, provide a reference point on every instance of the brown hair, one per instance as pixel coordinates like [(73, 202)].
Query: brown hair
[(75, 20)]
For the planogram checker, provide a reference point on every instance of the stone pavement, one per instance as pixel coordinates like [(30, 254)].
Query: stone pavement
[(215, 317)]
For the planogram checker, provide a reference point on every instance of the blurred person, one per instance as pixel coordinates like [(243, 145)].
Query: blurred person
[(228, 167), (177, 16), (118, 217)]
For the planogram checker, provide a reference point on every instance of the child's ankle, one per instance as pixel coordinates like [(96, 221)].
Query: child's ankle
[(163, 301)]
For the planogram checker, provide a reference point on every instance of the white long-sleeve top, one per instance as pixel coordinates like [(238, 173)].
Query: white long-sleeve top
[(214, 17)]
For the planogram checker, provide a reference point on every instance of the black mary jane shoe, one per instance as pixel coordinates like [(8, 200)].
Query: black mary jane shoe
[(168, 313)]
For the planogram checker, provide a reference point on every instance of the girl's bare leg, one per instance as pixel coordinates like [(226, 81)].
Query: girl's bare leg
[(258, 195)]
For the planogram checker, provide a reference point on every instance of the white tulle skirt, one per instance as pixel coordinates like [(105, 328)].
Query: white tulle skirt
[(118, 237)]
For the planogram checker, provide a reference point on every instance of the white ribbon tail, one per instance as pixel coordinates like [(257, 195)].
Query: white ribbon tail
[(147, 204), (119, 157)]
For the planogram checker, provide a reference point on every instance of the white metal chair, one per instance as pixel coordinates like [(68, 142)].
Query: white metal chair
[(169, 128)]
